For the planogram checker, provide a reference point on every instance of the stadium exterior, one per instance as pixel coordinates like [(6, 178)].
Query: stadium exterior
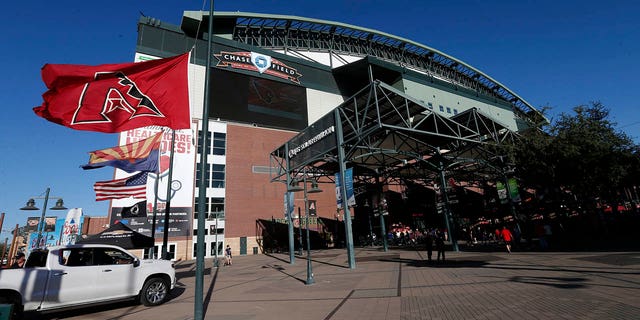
[(272, 77)]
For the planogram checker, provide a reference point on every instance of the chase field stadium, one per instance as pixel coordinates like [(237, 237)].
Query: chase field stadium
[(297, 100)]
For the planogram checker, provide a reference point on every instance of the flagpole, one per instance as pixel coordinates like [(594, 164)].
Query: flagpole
[(202, 188), (152, 252), (167, 209)]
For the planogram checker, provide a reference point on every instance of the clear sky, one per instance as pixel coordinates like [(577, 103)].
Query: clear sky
[(556, 53)]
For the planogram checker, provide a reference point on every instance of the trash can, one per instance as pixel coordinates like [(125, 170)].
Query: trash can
[(5, 311)]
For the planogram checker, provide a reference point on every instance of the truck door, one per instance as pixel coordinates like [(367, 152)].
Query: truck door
[(72, 278), (116, 272)]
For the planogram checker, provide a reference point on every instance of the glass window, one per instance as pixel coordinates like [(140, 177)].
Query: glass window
[(219, 143), (198, 174), (207, 178), (77, 257), (105, 256), (430, 105), (448, 110), (196, 207), (213, 245), (218, 176), (201, 143), (441, 108), (217, 207), (455, 111)]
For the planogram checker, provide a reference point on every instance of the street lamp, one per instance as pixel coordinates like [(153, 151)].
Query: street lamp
[(31, 205), (314, 189)]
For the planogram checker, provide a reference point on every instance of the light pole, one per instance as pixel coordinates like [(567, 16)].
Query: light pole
[(31, 205), (216, 264), (314, 189)]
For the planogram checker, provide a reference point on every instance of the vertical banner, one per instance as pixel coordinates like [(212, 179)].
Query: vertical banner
[(313, 208), (348, 178), (502, 192), (513, 189), (71, 227), (288, 204), (50, 224), (32, 224), (138, 215)]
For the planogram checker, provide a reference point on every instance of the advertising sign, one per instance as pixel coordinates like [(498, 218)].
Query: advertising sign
[(32, 224), (181, 186), (50, 224), (48, 238), (71, 227), (348, 178)]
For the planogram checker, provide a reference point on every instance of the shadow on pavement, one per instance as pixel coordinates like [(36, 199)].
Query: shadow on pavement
[(128, 307), (556, 282), (207, 298), (439, 264)]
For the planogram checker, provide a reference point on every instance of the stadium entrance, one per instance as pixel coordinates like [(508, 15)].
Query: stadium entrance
[(401, 162)]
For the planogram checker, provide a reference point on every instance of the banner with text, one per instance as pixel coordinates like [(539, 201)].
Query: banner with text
[(182, 182)]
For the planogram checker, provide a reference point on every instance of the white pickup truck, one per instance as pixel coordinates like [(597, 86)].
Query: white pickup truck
[(82, 275)]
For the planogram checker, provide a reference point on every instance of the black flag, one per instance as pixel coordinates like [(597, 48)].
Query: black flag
[(138, 210)]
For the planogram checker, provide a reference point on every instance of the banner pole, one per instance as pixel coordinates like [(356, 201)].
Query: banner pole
[(167, 209), (202, 188)]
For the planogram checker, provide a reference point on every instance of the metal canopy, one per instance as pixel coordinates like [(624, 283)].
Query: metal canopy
[(391, 135)]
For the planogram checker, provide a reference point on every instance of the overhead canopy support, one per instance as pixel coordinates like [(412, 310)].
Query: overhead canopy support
[(385, 133)]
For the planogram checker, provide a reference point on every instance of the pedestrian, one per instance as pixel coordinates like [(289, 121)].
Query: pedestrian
[(429, 242), (440, 246), (227, 256), (18, 261), (507, 237)]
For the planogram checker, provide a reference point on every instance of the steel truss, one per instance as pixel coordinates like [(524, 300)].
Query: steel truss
[(391, 135)]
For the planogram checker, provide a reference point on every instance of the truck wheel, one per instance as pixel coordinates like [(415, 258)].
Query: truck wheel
[(154, 292)]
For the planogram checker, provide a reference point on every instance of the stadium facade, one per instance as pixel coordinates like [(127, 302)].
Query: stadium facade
[(272, 76)]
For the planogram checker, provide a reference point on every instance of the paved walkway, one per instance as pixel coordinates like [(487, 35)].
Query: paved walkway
[(401, 284)]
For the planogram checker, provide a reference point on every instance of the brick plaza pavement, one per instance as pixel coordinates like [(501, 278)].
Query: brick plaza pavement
[(400, 284)]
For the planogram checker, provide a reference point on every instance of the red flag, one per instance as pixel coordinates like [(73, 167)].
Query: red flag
[(117, 97)]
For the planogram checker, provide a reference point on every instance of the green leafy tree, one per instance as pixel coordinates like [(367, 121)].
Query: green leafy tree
[(593, 157), (581, 153)]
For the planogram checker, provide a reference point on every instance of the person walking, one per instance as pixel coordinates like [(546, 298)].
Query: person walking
[(227, 256), (440, 246), (507, 237), (429, 242)]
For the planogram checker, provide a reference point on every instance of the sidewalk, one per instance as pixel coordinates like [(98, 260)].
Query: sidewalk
[(400, 284)]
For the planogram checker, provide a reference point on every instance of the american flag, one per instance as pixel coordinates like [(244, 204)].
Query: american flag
[(134, 186)]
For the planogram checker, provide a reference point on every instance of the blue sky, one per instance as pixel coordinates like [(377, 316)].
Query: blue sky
[(551, 53)]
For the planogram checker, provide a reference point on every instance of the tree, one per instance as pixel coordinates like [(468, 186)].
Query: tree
[(593, 158), (582, 154)]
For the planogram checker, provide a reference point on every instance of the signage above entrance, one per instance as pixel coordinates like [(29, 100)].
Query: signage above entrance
[(257, 62)]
